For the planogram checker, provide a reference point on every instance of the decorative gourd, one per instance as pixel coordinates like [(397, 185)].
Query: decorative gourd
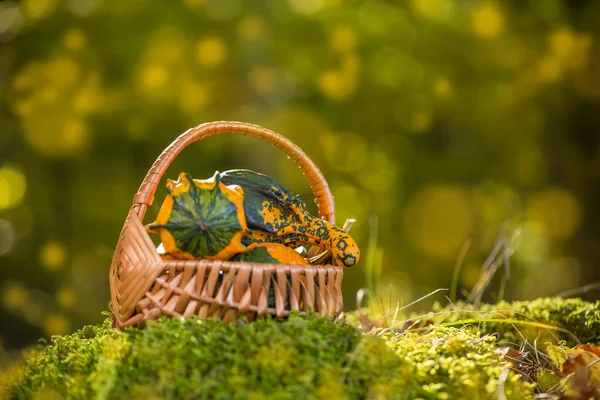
[(270, 253), (277, 216), (201, 219)]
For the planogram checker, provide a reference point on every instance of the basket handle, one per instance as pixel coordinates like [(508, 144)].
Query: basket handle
[(145, 195)]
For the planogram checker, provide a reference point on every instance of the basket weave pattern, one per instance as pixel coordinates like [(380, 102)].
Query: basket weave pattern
[(145, 286)]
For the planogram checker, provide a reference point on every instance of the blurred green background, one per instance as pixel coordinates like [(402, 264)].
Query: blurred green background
[(439, 124)]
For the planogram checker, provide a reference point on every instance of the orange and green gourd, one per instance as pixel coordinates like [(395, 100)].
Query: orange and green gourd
[(270, 253), (275, 215), (201, 219)]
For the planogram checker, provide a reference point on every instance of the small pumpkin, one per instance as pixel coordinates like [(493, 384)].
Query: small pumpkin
[(275, 215), (201, 219), (270, 253)]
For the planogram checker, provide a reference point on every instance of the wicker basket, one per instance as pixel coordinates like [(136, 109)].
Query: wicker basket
[(144, 286)]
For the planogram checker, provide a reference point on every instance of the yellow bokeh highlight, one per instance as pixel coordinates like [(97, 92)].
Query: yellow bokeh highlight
[(14, 296), (88, 98), (194, 97), (56, 74), (557, 210), (63, 72), (582, 51), (56, 134), (438, 219), (53, 255), (75, 133), (166, 45), (306, 6), (37, 9), (562, 42), (56, 324), (251, 27), (432, 9), (549, 70), (487, 22), (13, 186), (342, 40), (262, 79), (194, 4), (442, 87), (75, 39), (153, 77), (533, 244), (66, 298), (568, 49), (336, 85), (211, 52), (52, 99)]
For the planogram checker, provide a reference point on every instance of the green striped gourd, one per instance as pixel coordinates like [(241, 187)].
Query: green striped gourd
[(201, 219)]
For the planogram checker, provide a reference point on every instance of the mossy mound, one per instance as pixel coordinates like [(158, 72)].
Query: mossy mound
[(305, 357), (577, 320)]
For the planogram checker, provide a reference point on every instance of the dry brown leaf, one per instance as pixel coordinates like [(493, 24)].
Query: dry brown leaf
[(518, 361), (409, 325), (582, 368), (589, 348), (508, 354), (367, 323)]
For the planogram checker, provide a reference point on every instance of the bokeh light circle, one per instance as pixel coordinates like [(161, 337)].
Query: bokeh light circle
[(53, 255), (487, 21), (56, 324), (211, 52), (557, 210), (13, 296), (438, 219), (13, 186)]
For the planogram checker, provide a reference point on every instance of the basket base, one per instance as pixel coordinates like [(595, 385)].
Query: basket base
[(228, 290)]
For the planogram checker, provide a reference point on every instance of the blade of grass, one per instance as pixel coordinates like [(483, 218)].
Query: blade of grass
[(579, 290), (512, 321), (423, 298), (457, 267)]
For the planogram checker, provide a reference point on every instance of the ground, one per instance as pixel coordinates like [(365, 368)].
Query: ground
[(454, 352)]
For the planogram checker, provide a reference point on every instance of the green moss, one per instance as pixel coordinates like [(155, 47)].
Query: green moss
[(306, 357), (450, 363), (580, 318)]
